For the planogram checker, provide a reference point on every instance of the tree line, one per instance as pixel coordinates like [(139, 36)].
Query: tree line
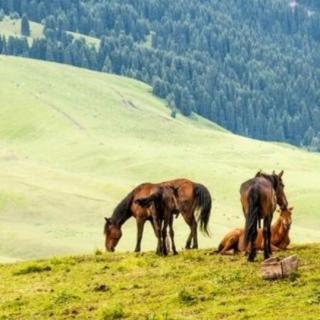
[(251, 66)]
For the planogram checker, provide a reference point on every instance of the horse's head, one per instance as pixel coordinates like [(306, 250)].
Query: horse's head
[(112, 233), (286, 217), (279, 188)]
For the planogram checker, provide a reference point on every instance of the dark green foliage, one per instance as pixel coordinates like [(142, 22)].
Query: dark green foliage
[(251, 66), (25, 27), (113, 312), (185, 297), (33, 268)]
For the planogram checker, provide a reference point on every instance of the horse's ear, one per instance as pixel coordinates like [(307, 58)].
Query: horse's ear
[(291, 208), (273, 172), (281, 174), (107, 220)]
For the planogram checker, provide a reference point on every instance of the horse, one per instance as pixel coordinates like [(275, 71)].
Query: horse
[(163, 207), (259, 198), (233, 241), (190, 197)]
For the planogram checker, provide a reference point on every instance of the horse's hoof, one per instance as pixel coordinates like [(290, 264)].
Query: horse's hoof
[(175, 253)]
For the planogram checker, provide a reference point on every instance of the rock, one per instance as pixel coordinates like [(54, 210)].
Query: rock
[(274, 268)]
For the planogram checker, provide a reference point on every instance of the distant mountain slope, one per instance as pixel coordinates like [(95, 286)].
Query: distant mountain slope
[(73, 142), (252, 67)]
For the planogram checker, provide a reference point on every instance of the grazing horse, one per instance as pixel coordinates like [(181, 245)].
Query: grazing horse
[(190, 197), (233, 241), (259, 197), (163, 206)]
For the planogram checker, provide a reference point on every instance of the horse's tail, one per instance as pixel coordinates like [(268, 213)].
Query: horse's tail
[(204, 201), (253, 216)]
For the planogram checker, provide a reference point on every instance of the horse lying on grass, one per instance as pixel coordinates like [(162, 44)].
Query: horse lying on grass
[(234, 240), (190, 196)]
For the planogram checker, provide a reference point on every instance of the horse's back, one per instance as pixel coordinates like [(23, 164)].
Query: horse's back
[(263, 190), (143, 190)]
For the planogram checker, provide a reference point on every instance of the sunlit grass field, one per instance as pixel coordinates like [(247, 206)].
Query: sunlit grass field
[(192, 285), (74, 142)]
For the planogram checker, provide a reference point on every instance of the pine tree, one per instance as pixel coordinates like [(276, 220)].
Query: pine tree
[(25, 26)]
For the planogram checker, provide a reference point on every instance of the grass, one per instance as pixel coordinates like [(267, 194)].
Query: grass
[(192, 285), (73, 142), (12, 27)]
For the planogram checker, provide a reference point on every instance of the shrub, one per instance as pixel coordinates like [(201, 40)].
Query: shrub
[(64, 297), (113, 312), (33, 268), (186, 297)]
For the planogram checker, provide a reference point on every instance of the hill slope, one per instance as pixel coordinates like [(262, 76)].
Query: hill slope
[(251, 67), (73, 142), (189, 286), (12, 27)]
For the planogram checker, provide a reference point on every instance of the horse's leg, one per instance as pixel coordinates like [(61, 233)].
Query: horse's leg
[(140, 226), (230, 247), (269, 234), (164, 237), (171, 232), (265, 239), (194, 229), (157, 229), (275, 248), (189, 223)]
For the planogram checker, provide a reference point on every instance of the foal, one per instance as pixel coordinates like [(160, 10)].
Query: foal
[(234, 240), (162, 206)]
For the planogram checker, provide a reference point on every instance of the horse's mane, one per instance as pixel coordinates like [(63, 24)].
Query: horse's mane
[(122, 211), (270, 177)]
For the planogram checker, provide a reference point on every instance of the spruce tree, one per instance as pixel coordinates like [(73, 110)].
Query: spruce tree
[(25, 26)]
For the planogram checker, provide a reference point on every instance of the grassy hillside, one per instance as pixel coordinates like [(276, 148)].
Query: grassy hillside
[(192, 285), (74, 142), (12, 27)]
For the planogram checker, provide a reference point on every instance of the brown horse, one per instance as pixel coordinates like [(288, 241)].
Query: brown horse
[(163, 206), (259, 197), (233, 241), (190, 197)]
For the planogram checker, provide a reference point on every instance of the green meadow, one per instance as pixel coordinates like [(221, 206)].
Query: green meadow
[(192, 285), (74, 142), (12, 27)]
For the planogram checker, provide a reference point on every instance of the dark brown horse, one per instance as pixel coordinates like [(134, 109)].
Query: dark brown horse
[(259, 198), (233, 241), (163, 207), (190, 197)]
